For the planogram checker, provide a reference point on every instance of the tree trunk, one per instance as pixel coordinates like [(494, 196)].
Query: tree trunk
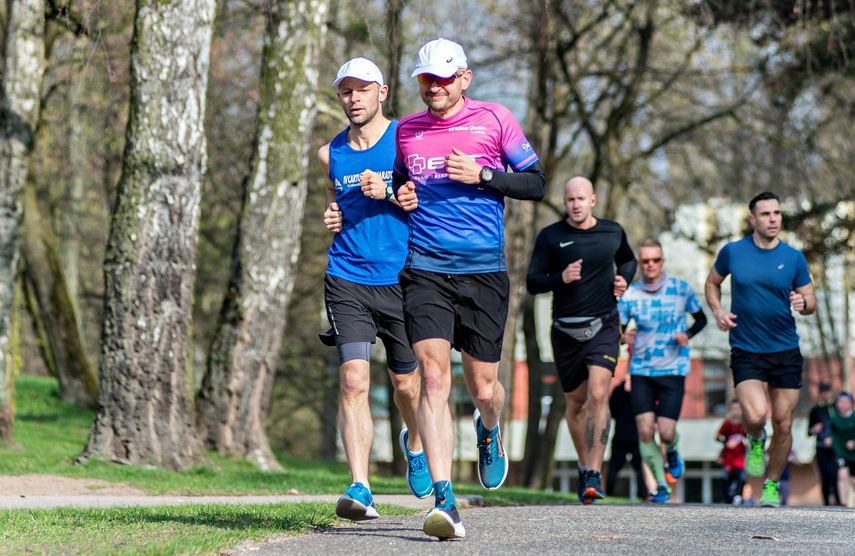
[(77, 381), (521, 228), (70, 216), (20, 97), (556, 415), (395, 42), (146, 411), (235, 395), (533, 451), (392, 109), (519, 222)]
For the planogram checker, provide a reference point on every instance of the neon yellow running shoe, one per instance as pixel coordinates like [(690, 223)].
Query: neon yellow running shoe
[(770, 497), (755, 461)]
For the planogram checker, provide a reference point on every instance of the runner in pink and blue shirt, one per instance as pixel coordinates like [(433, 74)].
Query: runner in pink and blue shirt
[(451, 174)]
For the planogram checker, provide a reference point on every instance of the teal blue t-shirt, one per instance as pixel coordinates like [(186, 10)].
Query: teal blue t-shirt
[(761, 282)]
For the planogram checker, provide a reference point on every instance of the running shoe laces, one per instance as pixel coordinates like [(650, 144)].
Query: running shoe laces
[(356, 504), (593, 489), (492, 460), (770, 497), (675, 464), (418, 475), (755, 462)]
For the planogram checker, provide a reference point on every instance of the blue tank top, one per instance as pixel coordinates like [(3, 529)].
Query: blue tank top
[(371, 247)]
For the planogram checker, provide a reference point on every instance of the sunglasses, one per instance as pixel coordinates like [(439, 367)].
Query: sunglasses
[(427, 79), (657, 260)]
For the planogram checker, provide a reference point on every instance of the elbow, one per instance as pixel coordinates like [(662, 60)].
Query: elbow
[(540, 192), (529, 286), (533, 286)]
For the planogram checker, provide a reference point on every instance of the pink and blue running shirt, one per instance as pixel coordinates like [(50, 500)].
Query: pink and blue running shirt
[(458, 228), (371, 247)]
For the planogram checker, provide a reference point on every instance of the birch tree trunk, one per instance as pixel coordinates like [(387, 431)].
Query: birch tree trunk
[(145, 413), (20, 96), (235, 395)]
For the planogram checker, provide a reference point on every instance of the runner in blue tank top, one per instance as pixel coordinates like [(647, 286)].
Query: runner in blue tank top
[(361, 291), (769, 279)]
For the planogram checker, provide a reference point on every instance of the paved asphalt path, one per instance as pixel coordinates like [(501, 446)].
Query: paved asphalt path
[(599, 529), (626, 530)]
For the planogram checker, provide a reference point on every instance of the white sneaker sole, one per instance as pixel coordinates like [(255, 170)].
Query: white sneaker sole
[(348, 508), (439, 524)]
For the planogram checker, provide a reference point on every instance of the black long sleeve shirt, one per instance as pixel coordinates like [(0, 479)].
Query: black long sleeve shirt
[(604, 251)]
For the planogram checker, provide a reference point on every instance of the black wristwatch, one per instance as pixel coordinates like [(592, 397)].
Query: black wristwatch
[(486, 176)]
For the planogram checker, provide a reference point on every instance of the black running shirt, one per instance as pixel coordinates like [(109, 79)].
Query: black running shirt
[(604, 251)]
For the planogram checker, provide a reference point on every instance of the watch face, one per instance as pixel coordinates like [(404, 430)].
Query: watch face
[(486, 174)]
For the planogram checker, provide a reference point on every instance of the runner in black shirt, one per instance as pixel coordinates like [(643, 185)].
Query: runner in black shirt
[(587, 263)]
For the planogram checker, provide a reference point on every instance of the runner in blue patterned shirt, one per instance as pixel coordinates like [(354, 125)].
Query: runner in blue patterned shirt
[(658, 304)]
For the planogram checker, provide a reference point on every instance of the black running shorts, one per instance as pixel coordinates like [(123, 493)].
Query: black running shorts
[(360, 313), (467, 310), (666, 390), (572, 358), (781, 369), (847, 464)]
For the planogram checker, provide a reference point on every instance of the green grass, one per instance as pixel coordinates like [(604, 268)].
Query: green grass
[(188, 529), (49, 434)]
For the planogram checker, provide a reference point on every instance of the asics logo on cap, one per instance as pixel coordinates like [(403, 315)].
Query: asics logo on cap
[(448, 61)]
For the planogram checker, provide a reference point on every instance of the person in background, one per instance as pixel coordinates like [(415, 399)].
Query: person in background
[(825, 464), (843, 438), (785, 477), (624, 440), (361, 291), (586, 263), (731, 433), (659, 303), (769, 280)]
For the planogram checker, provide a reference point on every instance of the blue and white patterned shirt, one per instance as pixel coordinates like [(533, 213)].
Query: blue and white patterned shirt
[(659, 317)]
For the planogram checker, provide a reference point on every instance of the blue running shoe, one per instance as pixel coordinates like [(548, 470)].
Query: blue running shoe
[(443, 521), (662, 495), (593, 489), (675, 464), (581, 484), (357, 504), (492, 460), (418, 475)]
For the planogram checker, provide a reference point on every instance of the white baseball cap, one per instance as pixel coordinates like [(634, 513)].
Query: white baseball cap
[(440, 57), (359, 68)]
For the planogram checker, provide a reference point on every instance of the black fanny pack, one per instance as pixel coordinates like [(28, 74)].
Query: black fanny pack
[(583, 331)]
